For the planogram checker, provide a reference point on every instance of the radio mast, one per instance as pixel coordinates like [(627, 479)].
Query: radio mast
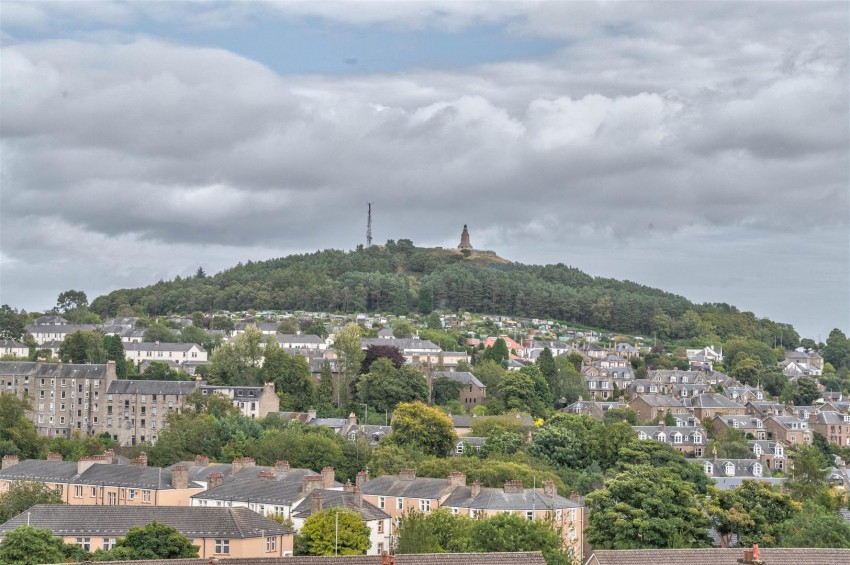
[(369, 227)]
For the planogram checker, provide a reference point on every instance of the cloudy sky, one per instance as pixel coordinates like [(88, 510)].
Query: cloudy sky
[(699, 147)]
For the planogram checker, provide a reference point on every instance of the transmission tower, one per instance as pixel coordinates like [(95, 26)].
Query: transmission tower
[(369, 227)]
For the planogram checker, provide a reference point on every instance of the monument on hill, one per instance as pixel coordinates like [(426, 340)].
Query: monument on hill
[(464, 239)]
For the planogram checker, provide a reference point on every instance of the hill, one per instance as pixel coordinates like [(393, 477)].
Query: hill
[(400, 278)]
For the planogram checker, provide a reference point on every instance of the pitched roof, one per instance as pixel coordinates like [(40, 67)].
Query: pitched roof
[(512, 558), (463, 377), (498, 499), (151, 387), (40, 470), (343, 499), (161, 346), (115, 521), (419, 487), (716, 556)]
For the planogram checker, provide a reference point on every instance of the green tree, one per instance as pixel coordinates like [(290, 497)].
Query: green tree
[(334, 531), (12, 323), (317, 327), (837, 349), (571, 384), (498, 352), (620, 415), (161, 371), (83, 347), (26, 545), (384, 386), (402, 329), (157, 541), (746, 369), (754, 511), (546, 364), (815, 526), (446, 390), (424, 428), (576, 360), (23, 495), (646, 507), (325, 391), (291, 375), (288, 326), (510, 532), (115, 352), (809, 472), (16, 429), (350, 355), (805, 392), (192, 334), (71, 300), (161, 333)]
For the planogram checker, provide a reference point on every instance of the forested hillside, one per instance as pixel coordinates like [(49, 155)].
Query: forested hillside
[(400, 278)]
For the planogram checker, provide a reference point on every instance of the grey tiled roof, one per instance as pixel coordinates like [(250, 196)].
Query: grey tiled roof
[(514, 558), (771, 556), (53, 370), (151, 387), (40, 470), (460, 377), (338, 498), (255, 490), (115, 521), (498, 499), (126, 476), (160, 346), (660, 400), (420, 487), (714, 401)]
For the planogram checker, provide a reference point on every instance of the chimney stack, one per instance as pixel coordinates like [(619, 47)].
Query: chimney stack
[(240, 463), (141, 460), (215, 480), (549, 488), (315, 502), (513, 486), (348, 487), (457, 479), (476, 488), (352, 419), (407, 474), (266, 475), (358, 497), (202, 461), (54, 457), (309, 483), (180, 477), (85, 462), (387, 559), (362, 478), (328, 477), (111, 373), (281, 466), (9, 461)]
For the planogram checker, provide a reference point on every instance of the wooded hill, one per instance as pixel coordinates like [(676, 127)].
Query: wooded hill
[(402, 279)]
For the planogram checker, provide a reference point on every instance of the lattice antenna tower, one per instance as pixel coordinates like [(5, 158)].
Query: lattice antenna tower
[(369, 227)]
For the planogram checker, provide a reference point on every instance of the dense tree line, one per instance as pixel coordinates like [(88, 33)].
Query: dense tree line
[(403, 279)]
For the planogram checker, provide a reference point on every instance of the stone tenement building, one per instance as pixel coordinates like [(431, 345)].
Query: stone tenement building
[(90, 400)]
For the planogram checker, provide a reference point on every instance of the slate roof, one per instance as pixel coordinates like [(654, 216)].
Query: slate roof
[(151, 387), (830, 418), (160, 346), (255, 490), (299, 338), (53, 370), (498, 499), (717, 556), (420, 487), (715, 401), (338, 498), (661, 401), (514, 558), (402, 344), (463, 377), (115, 521), (202, 472), (126, 476), (40, 470)]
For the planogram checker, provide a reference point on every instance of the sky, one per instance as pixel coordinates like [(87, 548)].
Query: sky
[(698, 147)]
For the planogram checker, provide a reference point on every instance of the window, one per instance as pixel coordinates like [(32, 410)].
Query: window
[(529, 515), (113, 499), (222, 546), (271, 543), (382, 502), (85, 543), (132, 492), (108, 543), (677, 438), (78, 491), (94, 492), (399, 503), (459, 448), (424, 505), (380, 549), (146, 496)]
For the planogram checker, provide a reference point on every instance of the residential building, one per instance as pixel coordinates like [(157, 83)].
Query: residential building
[(56, 332), (772, 453), (179, 353), (397, 494), (12, 348), (648, 407), (690, 440), (789, 430), (218, 532), (252, 401), (834, 426), (748, 425), (707, 406), (473, 393), (594, 408), (730, 473)]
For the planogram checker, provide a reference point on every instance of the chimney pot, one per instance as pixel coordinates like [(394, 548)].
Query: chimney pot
[(328, 477), (266, 475), (549, 488)]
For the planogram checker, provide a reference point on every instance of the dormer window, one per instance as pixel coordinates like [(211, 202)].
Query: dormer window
[(780, 452), (642, 435), (661, 436), (757, 469), (684, 380), (677, 438), (697, 437), (757, 449), (729, 469), (708, 467)]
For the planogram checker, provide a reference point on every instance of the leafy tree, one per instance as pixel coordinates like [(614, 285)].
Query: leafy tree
[(288, 326), (161, 333), (772, 380), (375, 352), (837, 349), (490, 373), (546, 364), (115, 352), (325, 391), (437, 532), (162, 371), (16, 429), (571, 384), (434, 321), (575, 359), (384, 386), (646, 507), (350, 354), (12, 323), (23, 495), (510, 532), (815, 526), (200, 273), (620, 415), (498, 352), (317, 327), (222, 323), (26, 545), (809, 472), (157, 541), (192, 334), (321, 536), (526, 391), (83, 347), (71, 300), (424, 428), (746, 369), (754, 511), (402, 329), (446, 390), (291, 375), (805, 392)]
